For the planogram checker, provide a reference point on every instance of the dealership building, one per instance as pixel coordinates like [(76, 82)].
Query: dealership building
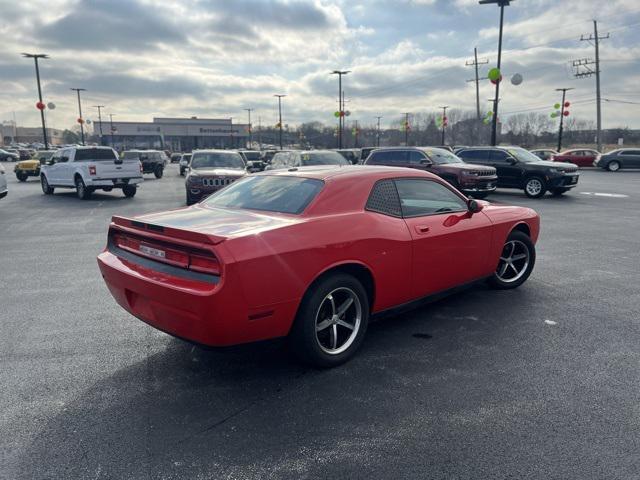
[(175, 134), (10, 133)]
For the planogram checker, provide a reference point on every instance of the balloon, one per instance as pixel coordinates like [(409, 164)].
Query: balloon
[(88, 121), (80, 120), (347, 113), (516, 79), (40, 106), (553, 115), (489, 113), (557, 106), (497, 80), (566, 113), (494, 74), (51, 106), (567, 104), (336, 114)]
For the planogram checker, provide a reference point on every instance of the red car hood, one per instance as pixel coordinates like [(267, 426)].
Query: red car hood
[(218, 222)]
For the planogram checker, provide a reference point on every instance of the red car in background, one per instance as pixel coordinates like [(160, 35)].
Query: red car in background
[(583, 157), (311, 253)]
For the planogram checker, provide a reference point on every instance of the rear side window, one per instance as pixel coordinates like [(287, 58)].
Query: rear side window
[(384, 199), (94, 154)]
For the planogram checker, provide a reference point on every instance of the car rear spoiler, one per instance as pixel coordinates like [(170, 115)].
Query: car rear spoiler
[(153, 230)]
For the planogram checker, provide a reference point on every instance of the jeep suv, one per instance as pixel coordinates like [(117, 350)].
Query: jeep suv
[(477, 181), (519, 168), (211, 170), (153, 161)]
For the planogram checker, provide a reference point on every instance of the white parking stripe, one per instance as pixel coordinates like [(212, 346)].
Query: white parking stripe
[(612, 195)]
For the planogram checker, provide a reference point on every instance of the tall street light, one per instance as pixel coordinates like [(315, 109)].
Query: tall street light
[(340, 73), (100, 120), (280, 116), (378, 132), (564, 97), (112, 130), (250, 132), (35, 57), (444, 121), (494, 122), (80, 119)]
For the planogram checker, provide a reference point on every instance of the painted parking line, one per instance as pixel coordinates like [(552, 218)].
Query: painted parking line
[(611, 195)]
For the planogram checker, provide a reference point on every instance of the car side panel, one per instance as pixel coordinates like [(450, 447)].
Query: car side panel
[(504, 220), (280, 265)]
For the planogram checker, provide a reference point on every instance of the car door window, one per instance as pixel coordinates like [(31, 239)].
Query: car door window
[(499, 156), (416, 158), (426, 197), (384, 199), (279, 160), (631, 152)]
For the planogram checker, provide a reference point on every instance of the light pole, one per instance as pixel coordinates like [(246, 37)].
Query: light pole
[(406, 129), (80, 119), (35, 57), (250, 132), (564, 96), (340, 73), (280, 116), (444, 121), (494, 124), (378, 132), (100, 120), (112, 130)]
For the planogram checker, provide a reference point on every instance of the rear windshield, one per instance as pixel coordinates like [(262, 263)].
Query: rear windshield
[(217, 160), (93, 154), (268, 193), (251, 156), (131, 155), (322, 158)]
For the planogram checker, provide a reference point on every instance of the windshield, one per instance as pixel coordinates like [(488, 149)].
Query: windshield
[(441, 157), (522, 155), (322, 158), (217, 160), (268, 193), (251, 156)]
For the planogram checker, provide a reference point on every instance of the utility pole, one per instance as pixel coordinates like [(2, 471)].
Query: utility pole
[(584, 70), (80, 119), (250, 133), (340, 73), (356, 135), (564, 96), (378, 132), (406, 129), (112, 130), (494, 123), (280, 116), (260, 133), (475, 64), (444, 121), (35, 57), (100, 120)]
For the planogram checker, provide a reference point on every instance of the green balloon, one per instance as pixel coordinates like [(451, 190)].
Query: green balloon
[(557, 106), (336, 114), (494, 74)]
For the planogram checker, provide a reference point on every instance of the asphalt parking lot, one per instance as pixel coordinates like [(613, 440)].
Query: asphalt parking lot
[(542, 382)]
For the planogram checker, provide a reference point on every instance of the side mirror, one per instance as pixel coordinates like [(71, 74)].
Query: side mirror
[(511, 161), (50, 162), (64, 159), (426, 163), (474, 206)]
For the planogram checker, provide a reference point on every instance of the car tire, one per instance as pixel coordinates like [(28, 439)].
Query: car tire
[(46, 188), (535, 187), (613, 166), (329, 342), (513, 268), (158, 171), (21, 176), (181, 172), (190, 201), (82, 191), (129, 191)]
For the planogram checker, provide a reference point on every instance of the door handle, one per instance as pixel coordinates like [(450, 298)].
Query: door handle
[(422, 229)]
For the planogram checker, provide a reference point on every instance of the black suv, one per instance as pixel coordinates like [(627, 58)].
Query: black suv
[(519, 168), (153, 161)]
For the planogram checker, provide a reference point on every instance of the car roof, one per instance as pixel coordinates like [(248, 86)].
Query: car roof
[(326, 172)]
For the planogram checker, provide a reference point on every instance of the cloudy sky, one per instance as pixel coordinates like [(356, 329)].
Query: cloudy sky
[(214, 58)]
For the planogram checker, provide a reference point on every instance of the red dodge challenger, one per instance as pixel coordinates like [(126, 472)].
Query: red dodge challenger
[(311, 254)]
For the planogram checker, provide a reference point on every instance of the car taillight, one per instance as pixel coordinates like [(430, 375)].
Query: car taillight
[(200, 261), (92, 169)]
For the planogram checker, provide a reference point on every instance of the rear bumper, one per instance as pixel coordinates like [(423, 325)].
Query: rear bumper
[(205, 313), (113, 182)]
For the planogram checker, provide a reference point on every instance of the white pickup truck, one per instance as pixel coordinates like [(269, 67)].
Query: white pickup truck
[(88, 169)]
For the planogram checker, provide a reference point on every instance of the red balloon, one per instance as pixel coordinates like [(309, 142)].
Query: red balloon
[(40, 106), (566, 113), (495, 82), (342, 114), (567, 104), (80, 120)]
